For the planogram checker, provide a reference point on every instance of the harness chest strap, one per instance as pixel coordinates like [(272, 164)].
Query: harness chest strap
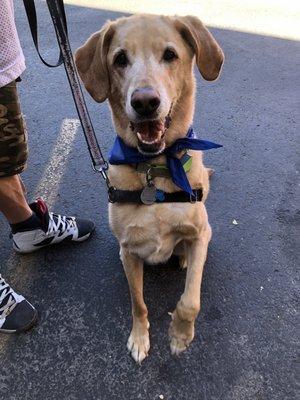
[(135, 196)]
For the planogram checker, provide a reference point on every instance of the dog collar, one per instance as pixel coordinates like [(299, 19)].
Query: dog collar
[(162, 170)]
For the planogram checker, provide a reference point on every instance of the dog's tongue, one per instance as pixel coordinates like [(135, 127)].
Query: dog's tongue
[(150, 130)]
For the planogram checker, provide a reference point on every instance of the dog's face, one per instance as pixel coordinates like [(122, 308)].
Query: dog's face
[(144, 65)]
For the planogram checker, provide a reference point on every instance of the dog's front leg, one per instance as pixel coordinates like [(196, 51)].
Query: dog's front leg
[(183, 318), (138, 343)]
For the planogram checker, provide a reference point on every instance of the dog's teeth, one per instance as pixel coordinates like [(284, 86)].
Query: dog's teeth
[(157, 140), (159, 137), (142, 140)]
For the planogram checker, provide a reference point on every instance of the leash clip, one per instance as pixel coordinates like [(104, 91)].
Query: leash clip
[(149, 176), (102, 169), (111, 190)]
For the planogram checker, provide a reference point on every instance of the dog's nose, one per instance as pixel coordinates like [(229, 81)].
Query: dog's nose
[(145, 101)]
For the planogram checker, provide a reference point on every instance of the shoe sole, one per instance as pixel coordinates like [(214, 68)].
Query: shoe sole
[(24, 328), (82, 239)]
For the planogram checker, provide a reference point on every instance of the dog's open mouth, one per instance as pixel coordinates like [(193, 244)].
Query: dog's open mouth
[(150, 135)]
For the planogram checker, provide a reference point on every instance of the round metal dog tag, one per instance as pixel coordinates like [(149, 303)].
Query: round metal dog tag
[(148, 194)]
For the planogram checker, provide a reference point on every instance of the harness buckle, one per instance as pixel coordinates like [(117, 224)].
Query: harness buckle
[(111, 194)]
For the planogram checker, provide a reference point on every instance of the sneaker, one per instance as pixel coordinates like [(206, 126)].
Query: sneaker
[(16, 313), (45, 228)]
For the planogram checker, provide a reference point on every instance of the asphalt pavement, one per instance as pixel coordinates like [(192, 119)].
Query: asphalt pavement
[(246, 337)]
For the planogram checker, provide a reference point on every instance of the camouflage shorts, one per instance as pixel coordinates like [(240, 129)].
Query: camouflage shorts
[(13, 140)]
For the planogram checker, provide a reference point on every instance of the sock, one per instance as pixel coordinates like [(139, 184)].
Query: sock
[(29, 224)]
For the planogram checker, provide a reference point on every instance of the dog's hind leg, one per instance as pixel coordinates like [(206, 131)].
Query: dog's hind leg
[(138, 343), (181, 330)]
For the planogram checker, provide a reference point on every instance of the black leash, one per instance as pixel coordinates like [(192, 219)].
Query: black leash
[(57, 12)]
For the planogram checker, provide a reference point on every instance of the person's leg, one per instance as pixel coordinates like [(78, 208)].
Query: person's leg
[(13, 156), (16, 313), (13, 203), (32, 225)]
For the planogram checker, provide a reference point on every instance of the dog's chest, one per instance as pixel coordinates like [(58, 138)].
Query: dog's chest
[(152, 232)]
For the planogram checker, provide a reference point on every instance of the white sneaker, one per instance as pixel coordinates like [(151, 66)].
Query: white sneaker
[(54, 229), (16, 313)]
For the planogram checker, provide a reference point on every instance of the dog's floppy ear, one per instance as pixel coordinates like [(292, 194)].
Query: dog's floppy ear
[(209, 55), (91, 63)]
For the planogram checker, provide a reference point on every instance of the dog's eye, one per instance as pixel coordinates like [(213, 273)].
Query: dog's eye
[(169, 55), (121, 59)]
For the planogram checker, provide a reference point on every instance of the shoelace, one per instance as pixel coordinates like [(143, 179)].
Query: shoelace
[(58, 223), (6, 292)]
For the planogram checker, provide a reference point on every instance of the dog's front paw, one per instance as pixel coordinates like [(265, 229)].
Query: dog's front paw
[(181, 333), (139, 344), (178, 345)]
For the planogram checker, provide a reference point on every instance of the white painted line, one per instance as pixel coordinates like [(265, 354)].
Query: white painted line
[(48, 186)]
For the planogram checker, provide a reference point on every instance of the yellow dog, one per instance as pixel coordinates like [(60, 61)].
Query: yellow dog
[(143, 65)]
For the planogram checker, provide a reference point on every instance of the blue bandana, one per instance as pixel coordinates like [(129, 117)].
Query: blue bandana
[(121, 153)]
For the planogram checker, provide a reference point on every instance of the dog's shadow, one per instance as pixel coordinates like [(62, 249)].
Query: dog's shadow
[(163, 286)]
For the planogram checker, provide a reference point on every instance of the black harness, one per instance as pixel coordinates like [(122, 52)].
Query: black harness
[(149, 195), (135, 196)]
